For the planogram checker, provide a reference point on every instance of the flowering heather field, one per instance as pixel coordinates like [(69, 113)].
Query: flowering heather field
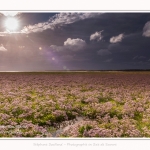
[(75, 104)]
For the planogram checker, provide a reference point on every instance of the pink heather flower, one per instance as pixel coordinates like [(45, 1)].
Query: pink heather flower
[(140, 109)]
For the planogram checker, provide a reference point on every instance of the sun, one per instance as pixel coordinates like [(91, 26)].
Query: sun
[(11, 24)]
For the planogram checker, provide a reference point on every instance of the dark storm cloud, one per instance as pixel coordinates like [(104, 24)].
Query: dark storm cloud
[(139, 57), (132, 50), (103, 52), (48, 41)]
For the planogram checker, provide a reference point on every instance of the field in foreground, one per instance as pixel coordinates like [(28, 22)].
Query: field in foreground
[(75, 104)]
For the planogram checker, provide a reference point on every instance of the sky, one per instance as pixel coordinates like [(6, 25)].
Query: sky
[(48, 41)]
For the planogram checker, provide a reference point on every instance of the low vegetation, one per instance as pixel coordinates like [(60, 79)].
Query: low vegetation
[(81, 104)]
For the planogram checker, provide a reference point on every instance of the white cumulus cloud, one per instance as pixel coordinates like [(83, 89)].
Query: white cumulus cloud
[(146, 29), (74, 44), (70, 44), (96, 36), (116, 39), (59, 20), (79, 43)]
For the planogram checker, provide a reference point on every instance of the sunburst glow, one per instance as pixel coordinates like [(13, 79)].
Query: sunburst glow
[(11, 24), (9, 13)]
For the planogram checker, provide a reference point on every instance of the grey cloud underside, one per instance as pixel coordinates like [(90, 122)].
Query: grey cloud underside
[(103, 52), (68, 43)]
